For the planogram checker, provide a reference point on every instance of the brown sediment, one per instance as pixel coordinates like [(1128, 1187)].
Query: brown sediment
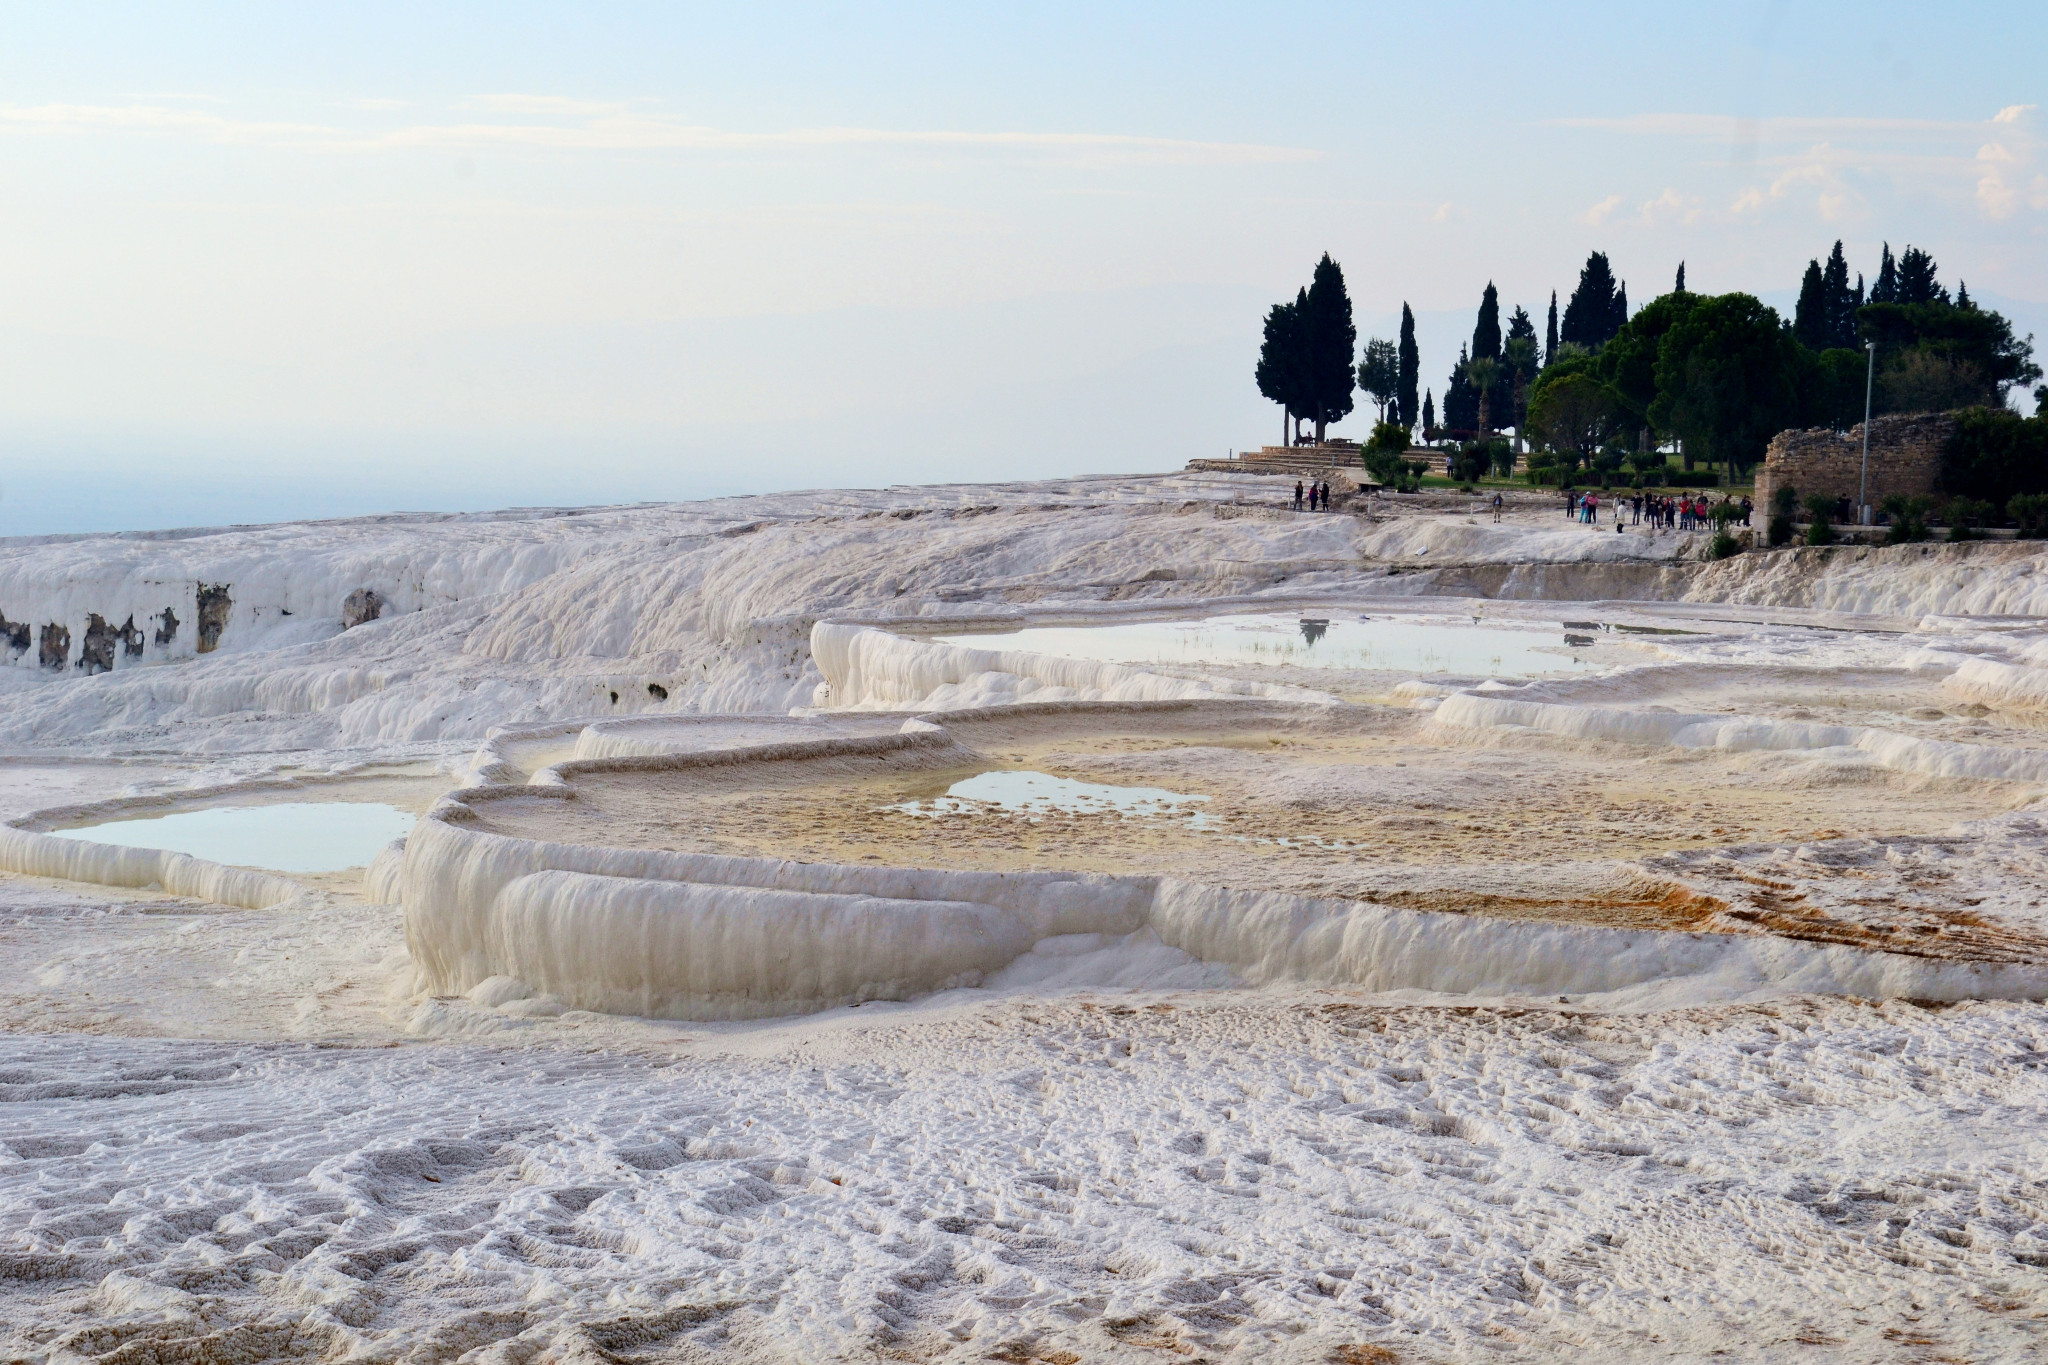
[(1372, 804)]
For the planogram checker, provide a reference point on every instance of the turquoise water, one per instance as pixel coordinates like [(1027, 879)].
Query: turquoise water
[(1031, 794), (286, 836), (1393, 644)]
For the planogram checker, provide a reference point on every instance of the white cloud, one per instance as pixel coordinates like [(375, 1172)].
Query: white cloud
[(1671, 207), (585, 126), (1599, 213)]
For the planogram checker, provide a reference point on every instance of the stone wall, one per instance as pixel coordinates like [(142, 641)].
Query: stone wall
[(1905, 457)]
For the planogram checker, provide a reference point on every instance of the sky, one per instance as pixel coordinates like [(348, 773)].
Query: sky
[(260, 261)]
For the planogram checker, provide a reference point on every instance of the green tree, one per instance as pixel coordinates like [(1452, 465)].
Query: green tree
[(1835, 391), (1628, 363), (1411, 369), (1518, 358), (1486, 332), (1305, 359), (1917, 283), (1480, 373), (1678, 285), (1727, 377), (1965, 356), (1379, 375), (1994, 454), (1461, 404), (1597, 308), (1886, 289), (1279, 371), (1550, 337), (1840, 303), (1810, 314), (1331, 340), (1428, 411), (1573, 413)]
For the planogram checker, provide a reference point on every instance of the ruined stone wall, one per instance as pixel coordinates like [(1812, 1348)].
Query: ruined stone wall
[(1905, 457)]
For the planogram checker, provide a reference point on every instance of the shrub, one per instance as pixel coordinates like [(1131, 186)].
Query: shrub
[(1780, 531), (1723, 545), (1965, 517), (1692, 478), (1908, 518), (2029, 512), (1821, 508)]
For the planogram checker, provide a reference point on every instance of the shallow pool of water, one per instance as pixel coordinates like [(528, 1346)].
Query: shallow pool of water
[(1395, 644), (1035, 794), (285, 836)]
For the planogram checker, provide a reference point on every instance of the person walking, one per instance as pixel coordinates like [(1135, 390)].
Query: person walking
[(1326, 495), (1496, 508), (1297, 495)]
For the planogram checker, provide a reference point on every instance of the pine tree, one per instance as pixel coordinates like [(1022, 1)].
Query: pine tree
[(1590, 318), (1550, 338), (1486, 335), (1916, 278), (1810, 314), (1963, 299), (1411, 369), (1679, 286), (1886, 290), (1332, 340)]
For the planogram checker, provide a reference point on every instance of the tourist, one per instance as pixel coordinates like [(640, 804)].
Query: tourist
[(1326, 495), (1496, 508), (1297, 495), (1747, 508)]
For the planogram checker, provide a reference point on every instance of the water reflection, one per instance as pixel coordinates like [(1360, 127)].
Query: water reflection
[(285, 836)]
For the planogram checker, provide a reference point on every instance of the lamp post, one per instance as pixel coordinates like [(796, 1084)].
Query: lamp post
[(1869, 382)]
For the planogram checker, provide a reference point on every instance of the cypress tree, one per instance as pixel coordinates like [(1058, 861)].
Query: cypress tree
[(1330, 339), (1841, 304), (1679, 286), (1620, 315), (1916, 278), (1550, 340), (1461, 404), (1279, 368), (1886, 290), (1486, 335), (1429, 410), (1411, 369), (1810, 315), (1590, 318)]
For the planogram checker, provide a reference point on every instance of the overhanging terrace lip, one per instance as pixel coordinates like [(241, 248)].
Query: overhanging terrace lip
[(716, 936)]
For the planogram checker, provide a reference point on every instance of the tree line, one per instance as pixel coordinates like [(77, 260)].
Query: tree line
[(1715, 374)]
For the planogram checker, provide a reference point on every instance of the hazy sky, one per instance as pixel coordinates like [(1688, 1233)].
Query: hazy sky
[(262, 260)]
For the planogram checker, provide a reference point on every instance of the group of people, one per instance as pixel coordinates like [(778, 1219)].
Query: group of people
[(1685, 513), (1318, 496)]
